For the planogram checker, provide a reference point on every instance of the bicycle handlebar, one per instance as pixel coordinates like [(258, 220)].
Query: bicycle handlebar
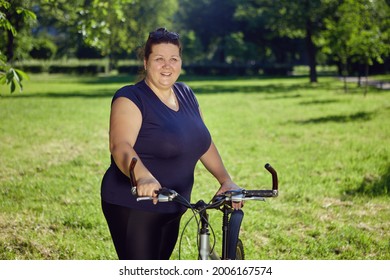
[(274, 177), (165, 195)]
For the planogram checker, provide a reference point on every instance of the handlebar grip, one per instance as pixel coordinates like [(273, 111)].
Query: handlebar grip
[(261, 193), (274, 177)]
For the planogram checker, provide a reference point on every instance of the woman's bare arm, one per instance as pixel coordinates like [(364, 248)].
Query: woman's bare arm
[(125, 123)]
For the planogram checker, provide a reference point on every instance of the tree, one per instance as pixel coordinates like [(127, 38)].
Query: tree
[(293, 19), (358, 32), (213, 24), (9, 75), (16, 17), (116, 26), (372, 43), (58, 24)]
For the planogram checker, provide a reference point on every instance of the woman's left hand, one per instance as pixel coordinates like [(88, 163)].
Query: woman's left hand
[(229, 186)]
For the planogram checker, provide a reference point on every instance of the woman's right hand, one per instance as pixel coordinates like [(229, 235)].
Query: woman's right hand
[(148, 186)]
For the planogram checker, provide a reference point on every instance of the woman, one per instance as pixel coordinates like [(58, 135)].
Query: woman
[(157, 121)]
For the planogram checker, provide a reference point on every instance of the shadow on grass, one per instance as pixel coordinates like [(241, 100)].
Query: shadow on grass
[(277, 90), (117, 79), (360, 116), (319, 102), (255, 89), (73, 94), (374, 186)]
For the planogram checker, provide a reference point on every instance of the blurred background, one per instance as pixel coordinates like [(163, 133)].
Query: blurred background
[(238, 37)]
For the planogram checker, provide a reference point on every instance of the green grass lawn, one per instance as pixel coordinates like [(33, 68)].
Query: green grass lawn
[(331, 151)]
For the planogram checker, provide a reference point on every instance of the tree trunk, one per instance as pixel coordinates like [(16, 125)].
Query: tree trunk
[(311, 52), (345, 84), (366, 74), (345, 73), (10, 47)]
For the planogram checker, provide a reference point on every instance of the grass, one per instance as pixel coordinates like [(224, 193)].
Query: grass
[(331, 151)]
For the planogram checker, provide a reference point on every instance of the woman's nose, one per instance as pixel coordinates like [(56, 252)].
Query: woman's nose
[(166, 63)]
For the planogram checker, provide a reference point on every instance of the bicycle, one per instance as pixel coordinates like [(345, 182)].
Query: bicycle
[(232, 245)]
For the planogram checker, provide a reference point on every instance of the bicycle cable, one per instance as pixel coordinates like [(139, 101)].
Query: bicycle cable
[(195, 213), (185, 202)]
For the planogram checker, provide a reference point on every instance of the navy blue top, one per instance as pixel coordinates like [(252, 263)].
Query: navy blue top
[(169, 144)]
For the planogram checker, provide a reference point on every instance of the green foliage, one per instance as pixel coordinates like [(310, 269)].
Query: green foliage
[(330, 150), (9, 75), (15, 17), (372, 43), (217, 31), (12, 77), (226, 32), (291, 19), (43, 48), (4, 22), (236, 47), (212, 22), (193, 48), (359, 31), (115, 26)]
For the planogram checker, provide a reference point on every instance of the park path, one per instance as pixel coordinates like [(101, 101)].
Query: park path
[(374, 83)]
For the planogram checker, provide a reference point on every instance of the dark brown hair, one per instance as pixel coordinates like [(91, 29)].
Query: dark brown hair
[(161, 35)]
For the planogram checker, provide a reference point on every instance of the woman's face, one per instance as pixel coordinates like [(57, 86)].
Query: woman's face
[(163, 66)]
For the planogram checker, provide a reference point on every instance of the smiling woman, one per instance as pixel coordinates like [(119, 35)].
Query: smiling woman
[(157, 122), (163, 68)]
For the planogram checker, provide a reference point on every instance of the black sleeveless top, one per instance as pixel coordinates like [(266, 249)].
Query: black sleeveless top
[(169, 144)]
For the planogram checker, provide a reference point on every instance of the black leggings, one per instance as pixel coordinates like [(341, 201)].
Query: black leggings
[(141, 235)]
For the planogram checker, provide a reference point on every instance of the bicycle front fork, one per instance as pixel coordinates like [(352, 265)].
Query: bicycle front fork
[(205, 250), (204, 237)]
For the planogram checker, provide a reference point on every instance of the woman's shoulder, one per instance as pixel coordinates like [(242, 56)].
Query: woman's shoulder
[(132, 92), (128, 91), (186, 93), (182, 86), (184, 89)]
